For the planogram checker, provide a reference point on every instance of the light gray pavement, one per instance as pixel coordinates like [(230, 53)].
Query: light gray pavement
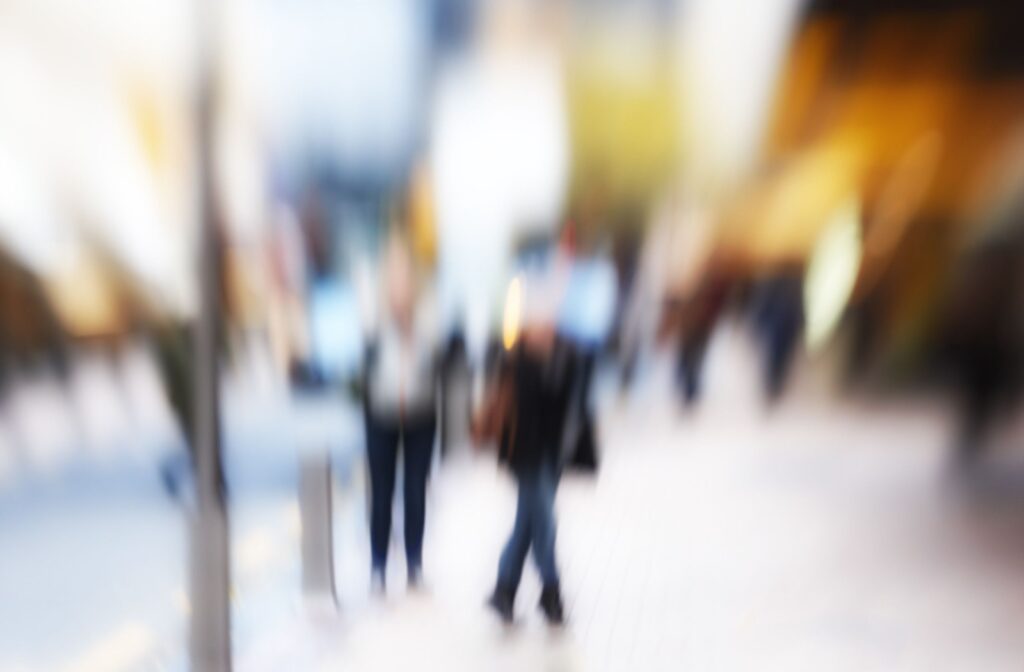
[(830, 533), (827, 534)]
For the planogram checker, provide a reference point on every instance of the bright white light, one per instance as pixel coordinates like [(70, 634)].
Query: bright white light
[(731, 51), (832, 273), (500, 160), (66, 127), (28, 225), (343, 77)]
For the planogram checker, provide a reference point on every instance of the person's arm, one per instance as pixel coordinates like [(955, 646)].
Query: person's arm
[(488, 422)]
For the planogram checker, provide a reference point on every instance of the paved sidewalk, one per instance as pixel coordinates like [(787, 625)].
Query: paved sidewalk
[(813, 538), (826, 534)]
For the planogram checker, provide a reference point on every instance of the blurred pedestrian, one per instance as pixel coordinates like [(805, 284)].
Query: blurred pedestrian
[(400, 409), (698, 315), (981, 331), (528, 414), (779, 319)]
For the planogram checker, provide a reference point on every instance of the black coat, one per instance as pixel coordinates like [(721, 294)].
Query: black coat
[(533, 433)]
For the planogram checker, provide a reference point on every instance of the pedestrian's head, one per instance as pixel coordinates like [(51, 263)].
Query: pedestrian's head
[(539, 290), (399, 281)]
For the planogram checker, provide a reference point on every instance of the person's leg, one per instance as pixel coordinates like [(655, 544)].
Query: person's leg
[(682, 369), (587, 377), (773, 364), (782, 348), (418, 448), (693, 356), (513, 557), (978, 407), (542, 526), (381, 453), (543, 540)]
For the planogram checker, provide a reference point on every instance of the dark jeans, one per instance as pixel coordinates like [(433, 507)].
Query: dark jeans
[(417, 439), (690, 365), (781, 347), (534, 528)]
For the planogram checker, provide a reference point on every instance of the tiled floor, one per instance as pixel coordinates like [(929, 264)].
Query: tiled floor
[(812, 538)]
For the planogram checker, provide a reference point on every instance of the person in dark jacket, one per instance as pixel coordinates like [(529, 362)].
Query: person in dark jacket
[(539, 374)]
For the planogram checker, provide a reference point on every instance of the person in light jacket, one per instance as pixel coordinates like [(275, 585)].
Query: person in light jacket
[(400, 409)]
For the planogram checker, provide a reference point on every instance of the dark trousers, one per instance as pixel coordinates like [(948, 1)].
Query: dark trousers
[(534, 528), (781, 344), (382, 439), (690, 365)]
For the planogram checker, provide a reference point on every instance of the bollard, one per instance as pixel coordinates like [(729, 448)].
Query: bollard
[(457, 408), (315, 510)]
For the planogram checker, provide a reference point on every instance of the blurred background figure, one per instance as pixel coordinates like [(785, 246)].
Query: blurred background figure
[(401, 398), (586, 322), (777, 313), (983, 341), (534, 387), (696, 316)]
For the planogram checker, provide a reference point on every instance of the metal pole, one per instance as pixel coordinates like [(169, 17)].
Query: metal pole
[(315, 506), (210, 625)]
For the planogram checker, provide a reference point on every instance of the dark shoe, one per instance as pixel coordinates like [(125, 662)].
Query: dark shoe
[(551, 605), (502, 601)]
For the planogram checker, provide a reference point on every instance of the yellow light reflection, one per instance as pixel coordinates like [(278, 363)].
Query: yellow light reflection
[(513, 313), (832, 272)]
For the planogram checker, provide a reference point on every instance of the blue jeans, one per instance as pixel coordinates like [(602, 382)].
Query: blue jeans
[(534, 527), (382, 454)]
